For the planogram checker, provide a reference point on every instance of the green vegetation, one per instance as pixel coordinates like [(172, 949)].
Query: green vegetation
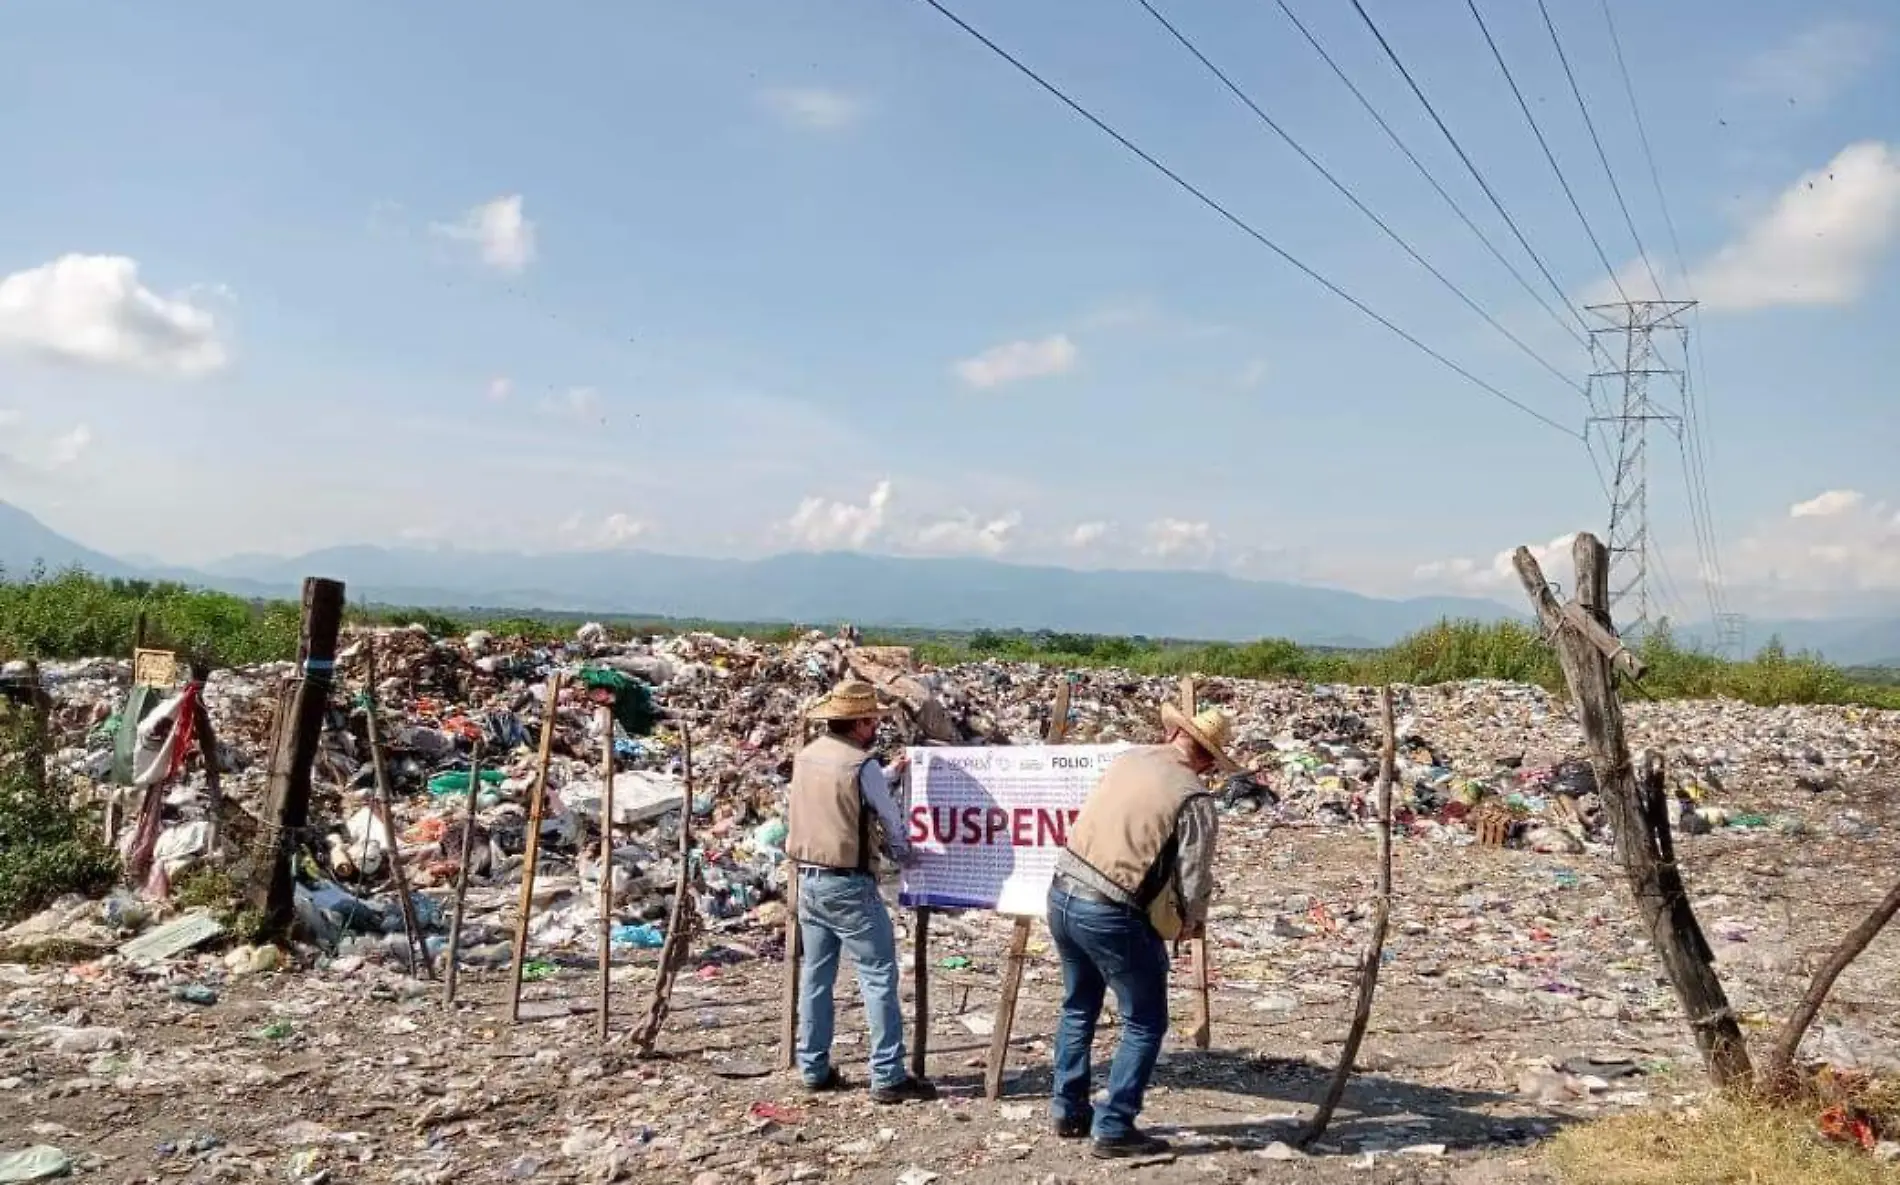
[(46, 847), (72, 614)]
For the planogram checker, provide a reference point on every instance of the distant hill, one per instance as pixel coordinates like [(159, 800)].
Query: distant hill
[(874, 590), (25, 541)]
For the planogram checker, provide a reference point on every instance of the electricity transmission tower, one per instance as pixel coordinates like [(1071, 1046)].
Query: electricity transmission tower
[(1626, 355)]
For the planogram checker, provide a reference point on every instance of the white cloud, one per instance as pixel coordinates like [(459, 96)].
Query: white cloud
[(67, 448), (1468, 575), (499, 388), (1253, 375), (504, 235), (91, 310), (1171, 538), (1815, 64), (822, 524), (1820, 242), (813, 108), (1014, 361), (1088, 534), (1828, 505), (616, 530), (967, 535), (9, 417)]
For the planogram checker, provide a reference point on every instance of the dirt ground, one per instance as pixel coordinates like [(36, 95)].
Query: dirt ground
[(1502, 966)]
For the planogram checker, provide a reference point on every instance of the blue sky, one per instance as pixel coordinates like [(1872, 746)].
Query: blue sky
[(739, 277)]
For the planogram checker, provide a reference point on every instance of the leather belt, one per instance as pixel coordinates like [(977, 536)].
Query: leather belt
[(820, 870)]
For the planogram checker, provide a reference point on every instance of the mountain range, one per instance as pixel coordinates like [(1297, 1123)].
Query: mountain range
[(869, 590)]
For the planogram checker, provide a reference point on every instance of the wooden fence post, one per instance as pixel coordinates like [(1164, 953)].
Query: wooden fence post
[(299, 730), (1589, 650)]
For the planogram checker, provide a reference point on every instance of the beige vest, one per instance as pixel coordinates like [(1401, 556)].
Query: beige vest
[(826, 824), (1128, 825)]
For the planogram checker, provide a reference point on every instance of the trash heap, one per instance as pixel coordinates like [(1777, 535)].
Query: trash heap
[(1509, 753)]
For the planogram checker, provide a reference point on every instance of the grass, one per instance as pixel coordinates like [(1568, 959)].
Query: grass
[(72, 614), (1724, 1142)]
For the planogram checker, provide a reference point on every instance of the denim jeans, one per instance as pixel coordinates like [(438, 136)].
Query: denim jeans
[(845, 912), (1107, 947)]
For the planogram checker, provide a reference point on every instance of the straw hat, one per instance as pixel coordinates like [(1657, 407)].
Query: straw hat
[(853, 699), (1211, 729)]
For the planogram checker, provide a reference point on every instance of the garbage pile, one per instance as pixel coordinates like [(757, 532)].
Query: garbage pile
[(449, 707)]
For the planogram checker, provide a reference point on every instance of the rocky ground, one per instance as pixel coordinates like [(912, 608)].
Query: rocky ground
[(1517, 996)]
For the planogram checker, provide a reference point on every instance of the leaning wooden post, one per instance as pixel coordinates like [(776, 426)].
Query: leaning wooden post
[(607, 867), (536, 803), (1202, 1033), (461, 874), (207, 741), (1375, 945), (680, 926), (412, 928), (1788, 1041), (1056, 733), (788, 988), (1589, 650), (299, 730)]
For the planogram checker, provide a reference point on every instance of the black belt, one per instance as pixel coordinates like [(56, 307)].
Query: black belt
[(1076, 888), (818, 870)]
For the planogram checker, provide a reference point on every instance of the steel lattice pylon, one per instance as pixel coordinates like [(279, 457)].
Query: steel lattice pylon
[(1624, 347)]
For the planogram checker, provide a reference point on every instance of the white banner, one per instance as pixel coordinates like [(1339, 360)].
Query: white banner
[(987, 822)]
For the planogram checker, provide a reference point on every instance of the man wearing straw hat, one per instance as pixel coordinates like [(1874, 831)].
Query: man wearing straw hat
[(1137, 870), (837, 790)]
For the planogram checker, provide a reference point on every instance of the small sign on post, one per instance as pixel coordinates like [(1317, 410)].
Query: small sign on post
[(154, 668)]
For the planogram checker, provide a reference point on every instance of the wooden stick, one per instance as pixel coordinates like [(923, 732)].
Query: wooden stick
[(920, 973), (1587, 649), (1788, 1041), (1006, 1010), (1202, 1033), (412, 929), (679, 927), (1375, 945), (208, 750), (788, 990), (536, 803), (461, 873), (607, 867), (1056, 733)]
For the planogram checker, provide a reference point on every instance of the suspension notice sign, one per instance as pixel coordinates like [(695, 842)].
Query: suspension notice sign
[(988, 822)]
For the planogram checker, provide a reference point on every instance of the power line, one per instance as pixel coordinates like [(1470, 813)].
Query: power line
[(1399, 142), (1346, 192), (1240, 223), (1497, 55), (1603, 156), (1476, 173)]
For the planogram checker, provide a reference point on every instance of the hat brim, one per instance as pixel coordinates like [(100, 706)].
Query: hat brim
[(826, 709), (1173, 717)]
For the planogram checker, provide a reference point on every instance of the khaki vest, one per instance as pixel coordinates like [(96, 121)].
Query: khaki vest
[(1126, 830), (827, 824)]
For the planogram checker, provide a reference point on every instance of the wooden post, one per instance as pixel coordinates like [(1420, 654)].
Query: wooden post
[(1375, 945), (920, 975), (607, 867), (461, 874), (207, 739), (299, 729), (1057, 732), (536, 803), (1589, 650), (680, 926), (412, 929), (788, 989), (1202, 1034), (1006, 1010)]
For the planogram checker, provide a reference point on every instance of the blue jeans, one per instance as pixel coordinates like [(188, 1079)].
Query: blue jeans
[(1103, 947), (845, 912)]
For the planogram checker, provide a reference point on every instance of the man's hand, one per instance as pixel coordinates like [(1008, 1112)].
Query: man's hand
[(898, 766)]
